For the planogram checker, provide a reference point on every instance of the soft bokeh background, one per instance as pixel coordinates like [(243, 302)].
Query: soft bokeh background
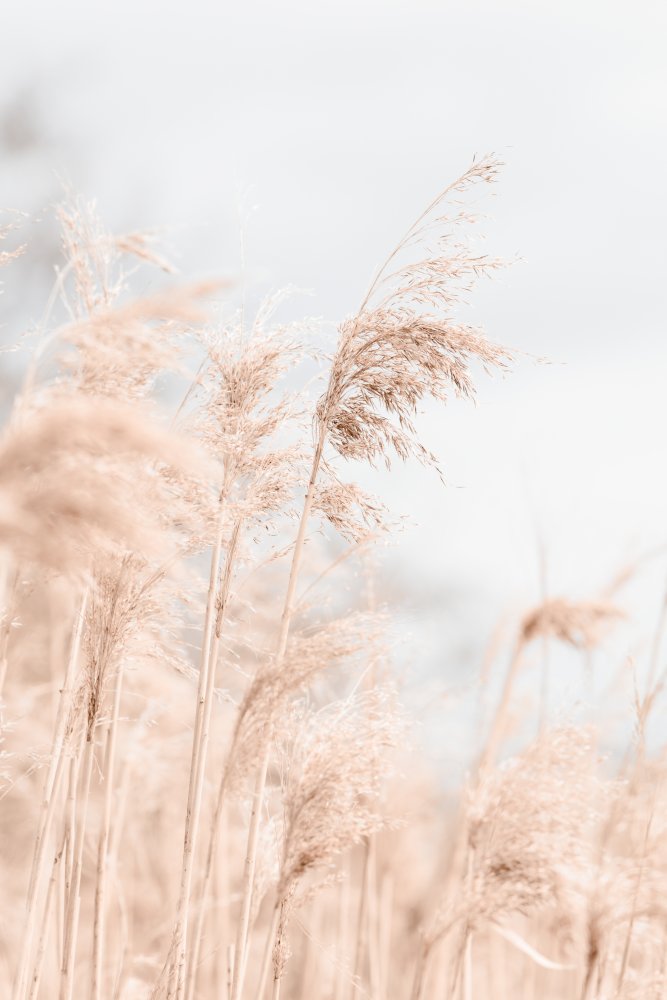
[(322, 129)]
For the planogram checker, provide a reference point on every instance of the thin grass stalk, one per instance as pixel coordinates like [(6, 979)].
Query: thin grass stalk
[(374, 943), (115, 833), (600, 975), (71, 829), (342, 935), (74, 901), (456, 969), (440, 975), (367, 917), (309, 961), (221, 932), (258, 793), (35, 902), (99, 921), (466, 971), (384, 935), (424, 957), (249, 877), (202, 910), (124, 938), (223, 601), (218, 972), (592, 961), (70, 843), (50, 792), (466, 951), (60, 728), (176, 959), (44, 933), (60, 906), (434, 938), (49, 801), (5, 632), (363, 936), (199, 761), (266, 957), (635, 897), (193, 964), (230, 968), (421, 969), (70, 840)]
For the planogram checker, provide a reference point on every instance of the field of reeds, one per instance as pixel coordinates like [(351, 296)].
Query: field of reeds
[(209, 781)]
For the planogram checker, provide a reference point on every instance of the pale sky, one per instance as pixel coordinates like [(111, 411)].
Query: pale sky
[(334, 124)]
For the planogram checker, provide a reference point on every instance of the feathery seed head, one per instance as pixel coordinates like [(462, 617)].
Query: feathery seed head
[(530, 825), (409, 346), (334, 769), (579, 623)]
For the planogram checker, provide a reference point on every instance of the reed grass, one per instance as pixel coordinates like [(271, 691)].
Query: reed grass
[(209, 787)]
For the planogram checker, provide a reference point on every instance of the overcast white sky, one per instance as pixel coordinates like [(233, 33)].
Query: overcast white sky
[(339, 121)]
